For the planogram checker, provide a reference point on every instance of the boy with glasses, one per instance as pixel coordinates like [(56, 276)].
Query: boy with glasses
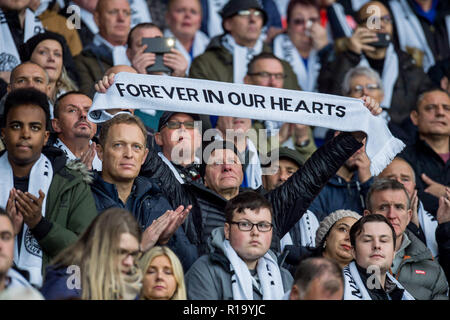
[(240, 266)]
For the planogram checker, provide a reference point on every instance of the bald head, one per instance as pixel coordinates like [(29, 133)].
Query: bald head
[(400, 170), (29, 75)]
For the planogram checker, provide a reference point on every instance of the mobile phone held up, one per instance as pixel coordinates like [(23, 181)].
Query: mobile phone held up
[(158, 46), (384, 39)]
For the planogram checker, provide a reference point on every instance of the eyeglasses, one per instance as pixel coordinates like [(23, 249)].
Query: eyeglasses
[(370, 86), (248, 226), (301, 21), (172, 124), (267, 75), (124, 253), (248, 13)]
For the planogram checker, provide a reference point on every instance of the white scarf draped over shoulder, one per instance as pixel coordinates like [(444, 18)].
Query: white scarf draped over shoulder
[(151, 92), (242, 281), (29, 257), (354, 288), (9, 54)]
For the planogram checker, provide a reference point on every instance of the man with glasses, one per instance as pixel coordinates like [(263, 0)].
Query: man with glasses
[(371, 46), (241, 265), (122, 149), (179, 137), (227, 55)]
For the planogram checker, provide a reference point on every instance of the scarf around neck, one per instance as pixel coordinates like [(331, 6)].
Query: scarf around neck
[(41, 175)]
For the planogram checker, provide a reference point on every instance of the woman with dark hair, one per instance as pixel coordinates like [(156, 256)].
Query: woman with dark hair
[(51, 52), (101, 265)]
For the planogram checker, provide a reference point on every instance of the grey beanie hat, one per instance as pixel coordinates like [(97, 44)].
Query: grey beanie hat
[(329, 221)]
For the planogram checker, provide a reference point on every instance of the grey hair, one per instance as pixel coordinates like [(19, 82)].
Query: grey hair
[(359, 71)]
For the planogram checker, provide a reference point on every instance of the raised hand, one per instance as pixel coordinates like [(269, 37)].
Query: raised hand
[(30, 207), (12, 211), (177, 62)]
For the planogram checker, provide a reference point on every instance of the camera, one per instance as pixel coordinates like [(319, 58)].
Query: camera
[(158, 46), (384, 39)]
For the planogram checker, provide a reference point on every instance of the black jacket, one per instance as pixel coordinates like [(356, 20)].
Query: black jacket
[(423, 159), (411, 81), (302, 187), (146, 202)]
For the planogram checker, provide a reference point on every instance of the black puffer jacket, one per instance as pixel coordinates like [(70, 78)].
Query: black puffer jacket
[(302, 187), (411, 81)]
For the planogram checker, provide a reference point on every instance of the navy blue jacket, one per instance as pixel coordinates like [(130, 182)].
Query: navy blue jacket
[(340, 194), (146, 202)]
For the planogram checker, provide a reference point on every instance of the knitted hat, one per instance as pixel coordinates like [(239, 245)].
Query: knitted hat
[(233, 6), (329, 222), (27, 48)]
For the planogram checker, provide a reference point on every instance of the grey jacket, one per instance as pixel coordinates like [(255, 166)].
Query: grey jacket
[(209, 278), (421, 276)]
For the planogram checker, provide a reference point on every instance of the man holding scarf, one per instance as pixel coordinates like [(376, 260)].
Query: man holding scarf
[(49, 201)]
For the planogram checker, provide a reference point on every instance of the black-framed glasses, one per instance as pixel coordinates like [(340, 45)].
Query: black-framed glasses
[(370, 86), (248, 226), (124, 253), (173, 124), (248, 13), (267, 75)]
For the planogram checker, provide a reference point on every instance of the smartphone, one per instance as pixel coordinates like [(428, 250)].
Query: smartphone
[(384, 39), (159, 46)]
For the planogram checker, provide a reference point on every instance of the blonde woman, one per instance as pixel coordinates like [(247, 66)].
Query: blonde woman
[(163, 275), (101, 265)]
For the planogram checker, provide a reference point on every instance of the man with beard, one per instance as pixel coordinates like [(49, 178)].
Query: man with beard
[(74, 132), (348, 188)]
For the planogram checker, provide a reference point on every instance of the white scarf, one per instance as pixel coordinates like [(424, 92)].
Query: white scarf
[(139, 12), (171, 94), (96, 163), (9, 54), (41, 176), (214, 26), (87, 17), (199, 45), (389, 75), (242, 281), (241, 56), (119, 53), (354, 288), (410, 32), (357, 4), (429, 225), (308, 226), (284, 49)]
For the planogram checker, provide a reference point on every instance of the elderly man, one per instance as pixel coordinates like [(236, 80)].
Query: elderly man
[(227, 55), (402, 80), (223, 174), (413, 265), (74, 132), (49, 199), (109, 44), (429, 155)]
